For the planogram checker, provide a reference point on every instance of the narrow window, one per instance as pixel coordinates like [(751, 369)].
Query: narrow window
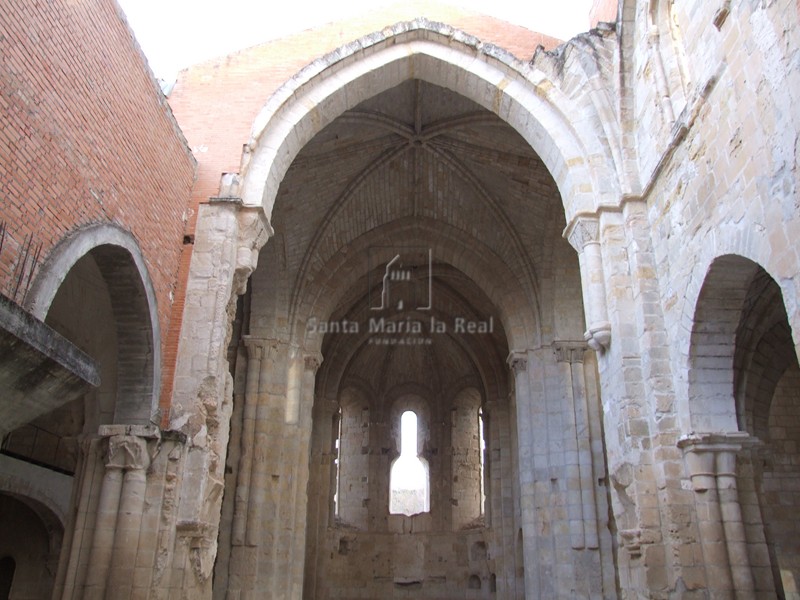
[(337, 453), (409, 489), (482, 442)]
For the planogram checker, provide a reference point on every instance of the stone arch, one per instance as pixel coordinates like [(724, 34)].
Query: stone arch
[(727, 240), (517, 92), (32, 537), (44, 495), (133, 300), (729, 318)]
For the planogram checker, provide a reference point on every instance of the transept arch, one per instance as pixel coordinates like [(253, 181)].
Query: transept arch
[(525, 98), (379, 107)]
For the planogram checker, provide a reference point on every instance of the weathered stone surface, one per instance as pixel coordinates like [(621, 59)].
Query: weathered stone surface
[(576, 266)]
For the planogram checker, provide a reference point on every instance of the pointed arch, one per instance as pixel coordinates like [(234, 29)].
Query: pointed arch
[(520, 94)]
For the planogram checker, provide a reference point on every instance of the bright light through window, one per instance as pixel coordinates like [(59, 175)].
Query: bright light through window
[(409, 490)]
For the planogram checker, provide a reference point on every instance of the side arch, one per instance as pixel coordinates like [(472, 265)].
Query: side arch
[(133, 300), (739, 308)]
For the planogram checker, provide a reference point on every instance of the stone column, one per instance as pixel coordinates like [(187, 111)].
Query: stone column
[(228, 238), (249, 492), (583, 235), (711, 463), (130, 453), (311, 363), (115, 542), (323, 477), (103, 538), (518, 361), (255, 350), (582, 502)]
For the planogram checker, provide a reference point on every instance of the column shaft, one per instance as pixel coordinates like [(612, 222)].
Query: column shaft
[(573, 470), (583, 430), (103, 539), (126, 537), (731, 513), (242, 494), (527, 467)]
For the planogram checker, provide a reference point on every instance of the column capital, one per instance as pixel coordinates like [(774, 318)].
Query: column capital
[(569, 351), (598, 336), (584, 230), (312, 361), (256, 346), (709, 455), (518, 361), (726, 441), (128, 453)]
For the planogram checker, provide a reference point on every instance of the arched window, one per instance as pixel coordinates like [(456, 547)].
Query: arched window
[(409, 484)]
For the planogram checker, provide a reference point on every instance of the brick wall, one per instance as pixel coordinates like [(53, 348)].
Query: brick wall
[(603, 10), (85, 137)]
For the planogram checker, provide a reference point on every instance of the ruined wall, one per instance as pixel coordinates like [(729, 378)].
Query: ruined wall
[(709, 89), (705, 141), (731, 185)]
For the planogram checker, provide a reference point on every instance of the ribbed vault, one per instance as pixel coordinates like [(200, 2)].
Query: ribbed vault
[(417, 243)]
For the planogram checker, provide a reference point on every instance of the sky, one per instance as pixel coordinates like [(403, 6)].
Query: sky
[(175, 34)]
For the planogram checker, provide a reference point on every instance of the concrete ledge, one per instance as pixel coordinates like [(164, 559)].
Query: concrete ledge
[(39, 369)]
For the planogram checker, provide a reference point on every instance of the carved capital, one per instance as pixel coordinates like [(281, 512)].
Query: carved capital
[(518, 361), (254, 230), (202, 544), (598, 336), (584, 230), (710, 455), (127, 452), (571, 352), (256, 346), (313, 361), (731, 441)]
